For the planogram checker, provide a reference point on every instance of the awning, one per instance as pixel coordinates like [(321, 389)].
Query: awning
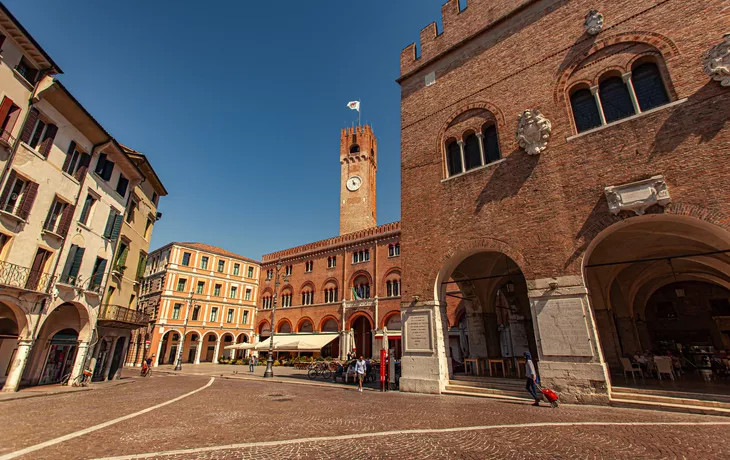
[(298, 342), (241, 346)]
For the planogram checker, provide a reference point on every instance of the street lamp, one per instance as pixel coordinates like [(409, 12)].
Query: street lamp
[(270, 360), (178, 366)]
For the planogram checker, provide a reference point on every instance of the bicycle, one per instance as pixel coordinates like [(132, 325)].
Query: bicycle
[(145, 372), (81, 380), (317, 369)]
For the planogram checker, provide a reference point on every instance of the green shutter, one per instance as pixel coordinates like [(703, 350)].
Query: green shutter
[(99, 275), (76, 265), (117, 227), (69, 263), (110, 223)]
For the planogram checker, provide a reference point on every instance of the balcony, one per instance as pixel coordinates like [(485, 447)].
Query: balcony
[(90, 285), (122, 317), (12, 275), (6, 139)]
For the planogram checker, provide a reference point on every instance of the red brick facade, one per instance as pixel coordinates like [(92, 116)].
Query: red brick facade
[(498, 58)]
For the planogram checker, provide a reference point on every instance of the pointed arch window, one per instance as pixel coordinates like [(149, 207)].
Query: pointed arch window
[(453, 158), (585, 110), (615, 99), (649, 86)]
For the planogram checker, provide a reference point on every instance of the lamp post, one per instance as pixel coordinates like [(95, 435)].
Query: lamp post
[(178, 366), (270, 360)]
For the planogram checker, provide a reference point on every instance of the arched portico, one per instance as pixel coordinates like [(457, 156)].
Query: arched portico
[(209, 347), (12, 327), (659, 284)]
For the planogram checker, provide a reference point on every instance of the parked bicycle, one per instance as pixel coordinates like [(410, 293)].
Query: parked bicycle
[(316, 369), (81, 380)]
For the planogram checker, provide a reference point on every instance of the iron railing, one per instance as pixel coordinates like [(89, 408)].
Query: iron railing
[(121, 314), (78, 282), (25, 278)]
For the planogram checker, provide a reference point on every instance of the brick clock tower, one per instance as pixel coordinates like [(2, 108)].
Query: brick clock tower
[(359, 166)]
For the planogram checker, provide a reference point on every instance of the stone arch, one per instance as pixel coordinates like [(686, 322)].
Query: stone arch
[(387, 317), (85, 330), (453, 256), (331, 280), (302, 322), (358, 314), (324, 321), (261, 325), (358, 273), (483, 105), (22, 320), (281, 323), (664, 46), (245, 336)]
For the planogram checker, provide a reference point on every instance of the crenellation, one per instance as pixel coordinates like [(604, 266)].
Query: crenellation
[(458, 25)]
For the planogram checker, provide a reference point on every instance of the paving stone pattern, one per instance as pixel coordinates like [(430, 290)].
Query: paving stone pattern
[(243, 411)]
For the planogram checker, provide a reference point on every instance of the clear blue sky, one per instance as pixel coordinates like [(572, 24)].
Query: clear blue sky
[(239, 104)]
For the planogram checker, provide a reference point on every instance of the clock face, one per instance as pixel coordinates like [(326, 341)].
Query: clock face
[(354, 183)]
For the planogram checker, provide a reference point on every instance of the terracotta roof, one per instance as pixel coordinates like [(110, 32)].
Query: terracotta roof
[(215, 250)]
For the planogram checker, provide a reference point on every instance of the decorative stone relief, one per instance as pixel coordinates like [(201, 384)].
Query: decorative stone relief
[(637, 196), (717, 61), (594, 22), (533, 131)]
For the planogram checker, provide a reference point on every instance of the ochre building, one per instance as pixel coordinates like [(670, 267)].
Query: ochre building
[(201, 293), (565, 175), (349, 284)]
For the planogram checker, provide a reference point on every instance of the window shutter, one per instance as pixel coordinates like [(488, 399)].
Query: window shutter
[(28, 199), (84, 162), (48, 139), (66, 218), (8, 186), (99, 275), (29, 125), (110, 223), (48, 217), (69, 155), (117, 227), (69, 262), (76, 266), (5, 108)]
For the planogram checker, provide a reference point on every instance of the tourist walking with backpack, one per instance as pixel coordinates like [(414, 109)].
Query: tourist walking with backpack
[(531, 375)]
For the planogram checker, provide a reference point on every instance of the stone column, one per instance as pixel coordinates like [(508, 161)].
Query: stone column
[(118, 373), (109, 358), (477, 335), (79, 362), (570, 357), (217, 348), (16, 370), (461, 150), (426, 355), (632, 93), (197, 351), (594, 91), (491, 333), (480, 136)]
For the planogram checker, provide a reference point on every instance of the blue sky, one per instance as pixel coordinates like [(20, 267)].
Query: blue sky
[(239, 104)]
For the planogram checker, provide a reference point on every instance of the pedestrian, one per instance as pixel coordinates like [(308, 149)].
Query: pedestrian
[(251, 363), (531, 375), (360, 369), (349, 356)]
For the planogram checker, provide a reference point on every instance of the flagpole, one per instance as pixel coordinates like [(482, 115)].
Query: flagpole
[(359, 109)]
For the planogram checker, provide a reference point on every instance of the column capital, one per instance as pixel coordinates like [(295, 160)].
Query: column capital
[(626, 77), (594, 90), (460, 142), (480, 135)]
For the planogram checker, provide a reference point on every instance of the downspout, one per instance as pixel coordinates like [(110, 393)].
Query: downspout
[(43, 74)]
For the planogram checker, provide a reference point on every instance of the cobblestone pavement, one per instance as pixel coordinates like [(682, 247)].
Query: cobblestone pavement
[(251, 419)]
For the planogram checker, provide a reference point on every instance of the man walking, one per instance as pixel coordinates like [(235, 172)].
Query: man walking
[(360, 369), (251, 362), (531, 385)]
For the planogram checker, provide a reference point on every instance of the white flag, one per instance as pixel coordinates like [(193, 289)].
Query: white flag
[(354, 105)]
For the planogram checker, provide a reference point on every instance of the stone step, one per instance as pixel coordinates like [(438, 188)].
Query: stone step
[(476, 393), (686, 400), (685, 408), (494, 392), (490, 382), (725, 398)]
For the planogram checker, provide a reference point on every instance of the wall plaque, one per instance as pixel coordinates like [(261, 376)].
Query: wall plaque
[(563, 328), (418, 330)]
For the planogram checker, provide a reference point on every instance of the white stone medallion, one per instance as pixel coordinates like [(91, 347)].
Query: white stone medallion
[(593, 23), (717, 61), (637, 196), (533, 131)]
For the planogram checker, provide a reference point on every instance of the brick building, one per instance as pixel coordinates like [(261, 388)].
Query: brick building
[(348, 284), (202, 293), (564, 175)]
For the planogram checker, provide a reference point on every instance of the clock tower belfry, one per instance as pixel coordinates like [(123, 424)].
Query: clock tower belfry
[(358, 168)]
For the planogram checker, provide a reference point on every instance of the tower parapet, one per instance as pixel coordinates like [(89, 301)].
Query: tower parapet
[(459, 25)]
